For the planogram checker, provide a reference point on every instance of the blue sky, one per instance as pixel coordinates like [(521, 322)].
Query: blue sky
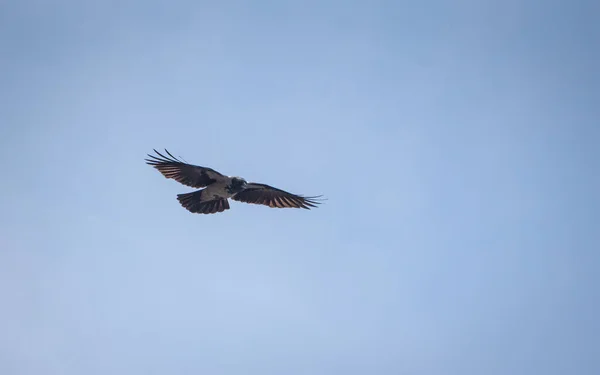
[(457, 143)]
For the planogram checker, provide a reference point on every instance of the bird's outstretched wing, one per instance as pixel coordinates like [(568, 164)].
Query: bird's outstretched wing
[(269, 196), (186, 174)]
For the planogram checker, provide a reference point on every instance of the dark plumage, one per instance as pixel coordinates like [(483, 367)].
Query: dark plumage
[(186, 174), (218, 188), (273, 197)]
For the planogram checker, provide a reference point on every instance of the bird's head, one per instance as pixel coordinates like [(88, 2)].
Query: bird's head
[(238, 183)]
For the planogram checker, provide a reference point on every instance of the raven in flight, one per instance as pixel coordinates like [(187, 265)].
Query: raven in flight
[(219, 188)]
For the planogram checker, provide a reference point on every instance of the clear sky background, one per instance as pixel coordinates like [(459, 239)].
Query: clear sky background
[(458, 143)]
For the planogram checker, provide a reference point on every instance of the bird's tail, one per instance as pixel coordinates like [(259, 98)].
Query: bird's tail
[(195, 203)]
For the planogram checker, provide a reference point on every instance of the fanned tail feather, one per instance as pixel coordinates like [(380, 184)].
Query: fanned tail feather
[(193, 202)]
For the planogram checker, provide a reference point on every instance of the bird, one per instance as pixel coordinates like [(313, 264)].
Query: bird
[(218, 188)]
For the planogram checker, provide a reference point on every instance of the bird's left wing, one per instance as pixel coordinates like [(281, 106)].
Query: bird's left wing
[(269, 196), (186, 174)]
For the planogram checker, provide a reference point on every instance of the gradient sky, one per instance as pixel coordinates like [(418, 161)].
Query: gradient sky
[(457, 143)]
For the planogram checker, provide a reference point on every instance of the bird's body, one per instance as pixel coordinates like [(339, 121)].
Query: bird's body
[(218, 188)]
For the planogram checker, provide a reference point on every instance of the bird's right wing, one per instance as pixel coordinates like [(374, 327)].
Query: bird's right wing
[(187, 174), (256, 193)]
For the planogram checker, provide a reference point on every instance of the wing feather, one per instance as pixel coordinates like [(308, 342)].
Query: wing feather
[(184, 173), (270, 196)]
